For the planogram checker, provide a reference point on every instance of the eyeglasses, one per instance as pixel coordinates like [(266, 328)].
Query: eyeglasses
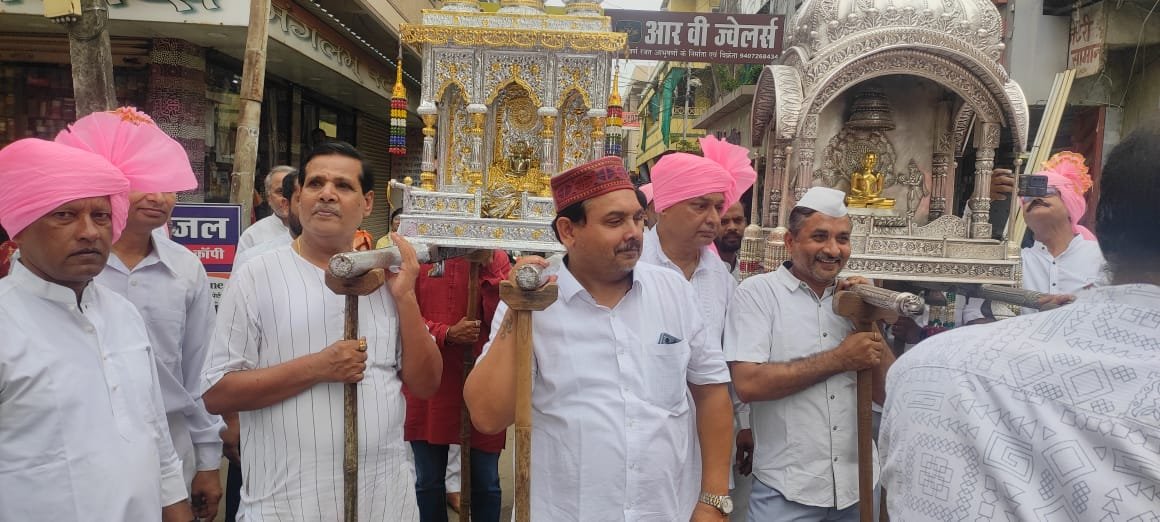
[(1051, 191)]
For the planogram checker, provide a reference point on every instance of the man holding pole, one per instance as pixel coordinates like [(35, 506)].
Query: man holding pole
[(794, 360), (446, 292), (277, 358), (619, 360)]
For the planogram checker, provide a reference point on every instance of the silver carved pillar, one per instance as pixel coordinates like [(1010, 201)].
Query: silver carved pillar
[(940, 161), (429, 113), (940, 170), (986, 140), (478, 112), (547, 140), (804, 177), (598, 119), (774, 182)]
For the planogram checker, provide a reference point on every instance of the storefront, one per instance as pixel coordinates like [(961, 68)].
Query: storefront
[(317, 82)]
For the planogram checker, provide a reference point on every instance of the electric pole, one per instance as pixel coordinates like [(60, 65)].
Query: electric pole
[(89, 52), (250, 98)]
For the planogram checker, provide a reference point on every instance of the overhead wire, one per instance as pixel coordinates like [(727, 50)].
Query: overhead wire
[(1136, 53)]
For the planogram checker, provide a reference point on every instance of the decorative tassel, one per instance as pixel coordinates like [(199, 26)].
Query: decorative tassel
[(398, 144)]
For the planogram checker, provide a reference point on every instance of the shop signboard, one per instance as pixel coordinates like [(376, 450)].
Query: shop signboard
[(204, 12), (211, 231), (700, 37), (1086, 50)]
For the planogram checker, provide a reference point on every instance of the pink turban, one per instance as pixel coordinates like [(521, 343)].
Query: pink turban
[(39, 176), (1066, 172), (725, 168), (647, 189), (128, 138)]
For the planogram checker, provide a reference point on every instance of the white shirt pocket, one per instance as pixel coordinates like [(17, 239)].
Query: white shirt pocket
[(128, 379), (665, 367)]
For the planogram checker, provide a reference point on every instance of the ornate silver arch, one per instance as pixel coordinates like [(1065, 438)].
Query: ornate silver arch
[(935, 68), (777, 101), (961, 128), (1020, 115)]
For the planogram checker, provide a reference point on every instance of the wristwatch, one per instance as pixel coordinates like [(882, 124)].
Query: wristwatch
[(723, 503)]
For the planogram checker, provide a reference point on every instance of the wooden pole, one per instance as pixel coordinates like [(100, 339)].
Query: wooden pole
[(91, 59), (350, 423), (522, 303), (352, 288), (1041, 147), (464, 415), (864, 316), (250, 99)]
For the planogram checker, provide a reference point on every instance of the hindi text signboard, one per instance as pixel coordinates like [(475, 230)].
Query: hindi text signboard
[(1086, 50), (700, 37), (211, 232)]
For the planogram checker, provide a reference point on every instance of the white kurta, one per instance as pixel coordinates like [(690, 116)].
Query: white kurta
[(1049, 416), (276, 309), (82, 429), (1080, 266), (171, 291), (806, 444), (261, 248), (263, 230), (612, 427)]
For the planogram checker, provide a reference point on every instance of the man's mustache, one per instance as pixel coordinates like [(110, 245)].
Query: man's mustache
[(632, 245), (327, 208)]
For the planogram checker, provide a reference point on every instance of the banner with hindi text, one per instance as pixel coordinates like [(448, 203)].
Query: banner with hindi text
[(1087, 51), (700, 37), (211, 231)]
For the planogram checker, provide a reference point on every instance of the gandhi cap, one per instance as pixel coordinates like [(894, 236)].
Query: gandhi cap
[(831, 202)]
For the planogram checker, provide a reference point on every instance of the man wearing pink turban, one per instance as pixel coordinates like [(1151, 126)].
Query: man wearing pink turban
[(690, 193), (164, 280), (82, 433), (1065, 257)]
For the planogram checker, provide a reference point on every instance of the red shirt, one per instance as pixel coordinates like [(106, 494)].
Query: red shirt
[(443, 302), (6, 250)]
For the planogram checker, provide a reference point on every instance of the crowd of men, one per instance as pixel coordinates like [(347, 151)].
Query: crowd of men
[(664, 388)]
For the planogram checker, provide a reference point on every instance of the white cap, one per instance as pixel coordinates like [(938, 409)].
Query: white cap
[(831, 202)]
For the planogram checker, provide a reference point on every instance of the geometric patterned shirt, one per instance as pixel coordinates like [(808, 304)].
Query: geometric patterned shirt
[(1050, 416)]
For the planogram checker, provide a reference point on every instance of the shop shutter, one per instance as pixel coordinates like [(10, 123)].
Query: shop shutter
[(372, 139)]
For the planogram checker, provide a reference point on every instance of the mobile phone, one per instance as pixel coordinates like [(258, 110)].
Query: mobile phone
[(1033, 186)]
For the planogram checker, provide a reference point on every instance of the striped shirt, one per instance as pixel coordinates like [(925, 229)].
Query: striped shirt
[(277, 308)]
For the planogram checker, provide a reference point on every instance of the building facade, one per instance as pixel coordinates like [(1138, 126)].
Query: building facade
[(330, 66)]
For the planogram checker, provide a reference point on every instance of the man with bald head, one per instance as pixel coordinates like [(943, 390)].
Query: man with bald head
[(276, 225), (82, 422)]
